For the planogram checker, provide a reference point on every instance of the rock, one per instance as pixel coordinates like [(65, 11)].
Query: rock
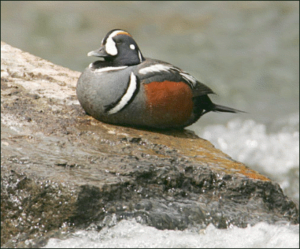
[(63, 170)]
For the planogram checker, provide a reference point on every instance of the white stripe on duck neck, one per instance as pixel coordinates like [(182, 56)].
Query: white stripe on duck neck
[(107, 69)]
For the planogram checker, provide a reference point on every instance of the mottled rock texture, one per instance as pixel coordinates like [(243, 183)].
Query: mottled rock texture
[(62, 169)]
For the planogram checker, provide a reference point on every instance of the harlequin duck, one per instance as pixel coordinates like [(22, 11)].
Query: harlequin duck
[(125, 88)]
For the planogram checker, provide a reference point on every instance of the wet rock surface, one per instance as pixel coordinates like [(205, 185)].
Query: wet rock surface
[(62, 169)]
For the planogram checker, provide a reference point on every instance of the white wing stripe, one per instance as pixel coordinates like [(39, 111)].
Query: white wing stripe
[(154, 68), (188, 77), (160, 67)]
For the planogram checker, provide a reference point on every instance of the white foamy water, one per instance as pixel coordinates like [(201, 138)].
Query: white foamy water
[(248, 142), (130, 234), (275, 154)]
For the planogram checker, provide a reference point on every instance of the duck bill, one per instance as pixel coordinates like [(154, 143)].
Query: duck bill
[(98, 53)]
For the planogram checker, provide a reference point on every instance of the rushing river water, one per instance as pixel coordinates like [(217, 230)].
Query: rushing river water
[(247, 52)]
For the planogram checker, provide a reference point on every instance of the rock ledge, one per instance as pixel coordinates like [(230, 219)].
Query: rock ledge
[(62, 170)]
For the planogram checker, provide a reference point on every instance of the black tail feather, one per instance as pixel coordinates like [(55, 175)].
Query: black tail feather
[(221, 108), (204, 105)]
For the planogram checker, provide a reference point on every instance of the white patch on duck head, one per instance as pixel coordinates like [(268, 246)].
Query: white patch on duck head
[(110, 45)]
